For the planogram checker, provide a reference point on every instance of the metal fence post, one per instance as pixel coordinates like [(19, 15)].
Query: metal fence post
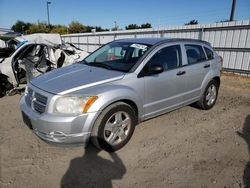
[(201, 33), (87, 44)]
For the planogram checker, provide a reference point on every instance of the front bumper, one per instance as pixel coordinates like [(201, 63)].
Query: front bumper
[(58, 129)]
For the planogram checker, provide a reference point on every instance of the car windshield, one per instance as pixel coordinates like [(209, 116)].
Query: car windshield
[(19, 44), (120, 56)]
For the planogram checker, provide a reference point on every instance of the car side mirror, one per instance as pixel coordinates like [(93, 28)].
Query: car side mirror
[(155, 69), (151, 70)]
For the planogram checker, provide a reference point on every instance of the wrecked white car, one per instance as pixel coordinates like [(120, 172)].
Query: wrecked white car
[(36, 54), (8, 44)]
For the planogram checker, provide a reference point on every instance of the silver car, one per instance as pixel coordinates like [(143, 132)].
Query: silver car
[(118, 86)]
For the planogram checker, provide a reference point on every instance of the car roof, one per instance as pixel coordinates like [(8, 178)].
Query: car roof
[(153, 41)]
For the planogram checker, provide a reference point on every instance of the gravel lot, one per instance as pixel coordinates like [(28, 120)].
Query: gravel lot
[(185, 148)]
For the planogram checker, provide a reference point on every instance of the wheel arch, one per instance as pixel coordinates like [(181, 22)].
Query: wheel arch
[(132, 104), (217, 79), (127, 101)]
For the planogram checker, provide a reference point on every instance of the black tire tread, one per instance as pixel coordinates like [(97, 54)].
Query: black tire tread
[(201, 103), (94, 134)]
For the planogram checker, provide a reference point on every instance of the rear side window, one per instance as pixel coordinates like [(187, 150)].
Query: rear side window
[(210, 53), (168, 57), (195, 54)]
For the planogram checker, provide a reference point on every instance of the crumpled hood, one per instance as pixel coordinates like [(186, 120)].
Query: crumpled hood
[(74, 77)]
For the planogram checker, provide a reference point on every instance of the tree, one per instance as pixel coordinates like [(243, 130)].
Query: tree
[(146, 25), (116, 28), (99, 29), (132, 26), (61, 29), (89, 28), (192, 22), (77, 27), (20, 26), (40, 27)]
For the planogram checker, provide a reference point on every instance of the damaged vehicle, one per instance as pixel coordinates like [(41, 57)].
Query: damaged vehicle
[(8, 44), (35, 55)]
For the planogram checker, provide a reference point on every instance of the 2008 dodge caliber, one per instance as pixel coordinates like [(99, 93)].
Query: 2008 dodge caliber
[(118, 86)]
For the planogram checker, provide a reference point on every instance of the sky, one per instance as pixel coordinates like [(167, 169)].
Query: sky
[(105, 13)]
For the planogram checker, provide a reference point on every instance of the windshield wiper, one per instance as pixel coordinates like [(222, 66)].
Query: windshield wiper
[(83, 62), (96, 64)]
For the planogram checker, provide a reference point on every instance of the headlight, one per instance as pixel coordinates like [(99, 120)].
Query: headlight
[(26, 90), (73, 105)]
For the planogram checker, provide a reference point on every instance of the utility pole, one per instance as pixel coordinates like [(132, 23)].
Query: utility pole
[(48, 3), (232, 10), (116, 27)]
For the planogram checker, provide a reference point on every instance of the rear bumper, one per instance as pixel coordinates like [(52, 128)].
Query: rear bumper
[(58, 129)]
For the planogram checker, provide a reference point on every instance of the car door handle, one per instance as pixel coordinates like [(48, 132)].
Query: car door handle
[(181, 73), (206, 66)]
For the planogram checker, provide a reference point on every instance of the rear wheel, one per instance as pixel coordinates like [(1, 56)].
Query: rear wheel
[(114, 127), (209, 96)]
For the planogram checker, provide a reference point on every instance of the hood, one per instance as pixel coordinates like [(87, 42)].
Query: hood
[(75, 77)]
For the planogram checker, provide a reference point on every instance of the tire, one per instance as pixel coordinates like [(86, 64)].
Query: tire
[(2, 92), (209, 96), (114, 127), (4, 87)]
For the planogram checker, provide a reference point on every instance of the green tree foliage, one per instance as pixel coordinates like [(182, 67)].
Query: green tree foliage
[(77, 27), (134, 26), (73, 27), (40, 27), (146, 25), (61, 29), (99, 29), (20, 26), (116, 28), (192, 22)]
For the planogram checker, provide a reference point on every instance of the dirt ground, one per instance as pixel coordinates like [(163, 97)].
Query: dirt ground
[(185, 148)]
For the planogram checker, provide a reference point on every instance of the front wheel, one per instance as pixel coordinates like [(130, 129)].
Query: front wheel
[(209, 96), (114, 127), (4, 87)]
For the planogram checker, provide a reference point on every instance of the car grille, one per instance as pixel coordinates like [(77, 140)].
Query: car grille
[(37, 101)]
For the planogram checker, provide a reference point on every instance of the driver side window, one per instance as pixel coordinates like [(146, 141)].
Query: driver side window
[(168, 57)]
